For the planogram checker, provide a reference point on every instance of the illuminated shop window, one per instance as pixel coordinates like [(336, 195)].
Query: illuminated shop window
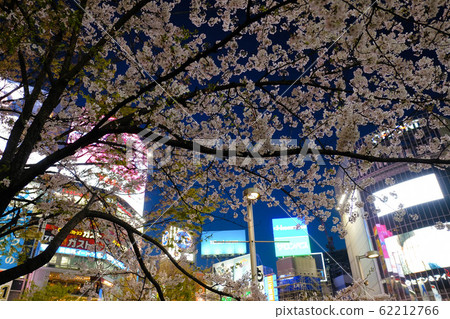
[(65, 262)]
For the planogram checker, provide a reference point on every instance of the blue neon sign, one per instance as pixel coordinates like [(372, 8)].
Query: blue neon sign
[(86, 253), (211, 247), (12, 245), (294, 234)]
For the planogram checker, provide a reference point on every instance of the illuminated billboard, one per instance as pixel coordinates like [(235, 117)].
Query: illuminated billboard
[(270, 287), (213, 243), (126, 181), (407, 194), (291, 237), (107, 177), (86, 253), (10, 245), (419, 250), (238, 268)]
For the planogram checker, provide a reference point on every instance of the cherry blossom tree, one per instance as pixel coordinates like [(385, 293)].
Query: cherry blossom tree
[(222, 94)]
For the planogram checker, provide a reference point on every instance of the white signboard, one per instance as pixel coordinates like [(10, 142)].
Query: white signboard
[(419, 250), (413, 192)]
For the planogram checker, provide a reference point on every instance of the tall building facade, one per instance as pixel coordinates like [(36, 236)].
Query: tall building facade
[(298, 277), (80, 247), (405, 216)]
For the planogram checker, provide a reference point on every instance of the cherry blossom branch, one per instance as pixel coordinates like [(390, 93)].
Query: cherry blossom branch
[(19, 125), (411, 19), (225, 153), (189, 61), (126, 226), (147, 273), (38, 261), (73, 38)]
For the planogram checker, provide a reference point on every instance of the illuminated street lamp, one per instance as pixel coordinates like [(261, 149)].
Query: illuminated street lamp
[(371, 254), (251, 194)]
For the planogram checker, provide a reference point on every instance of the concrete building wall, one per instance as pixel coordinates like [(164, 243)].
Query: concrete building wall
[(298, 265), (285, 267), (305, 265), (358, 243)]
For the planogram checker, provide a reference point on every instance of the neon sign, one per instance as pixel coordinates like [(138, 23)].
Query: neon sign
[(294, 236), (86, 253), (401, 128)]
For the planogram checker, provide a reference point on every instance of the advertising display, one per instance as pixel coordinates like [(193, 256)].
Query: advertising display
[(77, 239), (237, 268), (80, 243), (320, 266), (114, 176), (420, 250), (178, 242), (381, 233), (10, 250), (12, 93), (298, 283), (292, 235), (270, 287), (85, 253), (10, 245), (212, 243), (413, 192), (107, 176)]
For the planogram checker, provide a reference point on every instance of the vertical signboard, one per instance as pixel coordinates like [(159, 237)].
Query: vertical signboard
[(10, 245), (291, 237), (270, 287), (381, 233), (260, 277)]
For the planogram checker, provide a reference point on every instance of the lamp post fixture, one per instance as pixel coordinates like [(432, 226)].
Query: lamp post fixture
[(251, 194), (371, 254)]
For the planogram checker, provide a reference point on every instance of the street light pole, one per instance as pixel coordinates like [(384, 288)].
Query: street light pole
[(371, 254), (361, 273), (251, 194), (251, 241)]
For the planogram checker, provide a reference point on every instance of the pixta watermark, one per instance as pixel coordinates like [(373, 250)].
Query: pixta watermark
[(157, 150)]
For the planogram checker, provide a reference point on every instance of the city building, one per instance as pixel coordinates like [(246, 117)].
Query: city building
[(80, 247), (81, 250), (338, 269), (405, 217), (299, 277)]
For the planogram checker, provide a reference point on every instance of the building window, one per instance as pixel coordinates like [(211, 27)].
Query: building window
[(65, 262)]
